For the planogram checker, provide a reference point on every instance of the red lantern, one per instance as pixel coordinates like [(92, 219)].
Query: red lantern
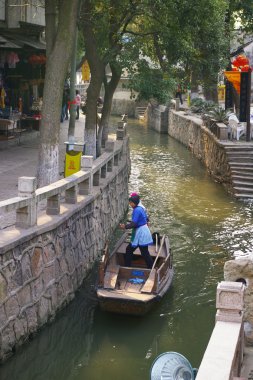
[(240, 61)]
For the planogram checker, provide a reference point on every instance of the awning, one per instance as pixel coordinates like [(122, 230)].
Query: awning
[(35, 44), (13, 41), (7, 44)]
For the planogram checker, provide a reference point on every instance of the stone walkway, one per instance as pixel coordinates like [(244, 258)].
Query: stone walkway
[(21, 160)]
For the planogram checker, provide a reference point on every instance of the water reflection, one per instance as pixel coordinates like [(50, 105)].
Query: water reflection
[(206, 227)]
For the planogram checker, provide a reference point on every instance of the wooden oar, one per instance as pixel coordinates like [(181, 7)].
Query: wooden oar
[(158, 254), (149, 284)]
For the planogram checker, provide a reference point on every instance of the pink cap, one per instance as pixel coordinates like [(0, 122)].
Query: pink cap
[(133, 194)]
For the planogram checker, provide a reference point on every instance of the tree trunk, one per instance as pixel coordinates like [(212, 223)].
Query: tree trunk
[(58, 56), (211, 91), (107, 106), (194, 85), (93, 91)]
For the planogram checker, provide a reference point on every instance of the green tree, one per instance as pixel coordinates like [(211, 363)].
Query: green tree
[(104, 25), (60, 25)]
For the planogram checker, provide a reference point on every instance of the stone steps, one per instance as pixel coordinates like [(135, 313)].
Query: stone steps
[(241, 170), (239, 176), (240, 159), (140, 112), (243, 196), (243, 184)]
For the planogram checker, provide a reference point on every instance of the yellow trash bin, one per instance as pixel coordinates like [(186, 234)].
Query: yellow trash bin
[(72, 162), (221, 92)]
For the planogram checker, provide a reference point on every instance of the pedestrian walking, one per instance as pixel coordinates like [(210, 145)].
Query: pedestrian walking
[(179, 93), (78, 103)]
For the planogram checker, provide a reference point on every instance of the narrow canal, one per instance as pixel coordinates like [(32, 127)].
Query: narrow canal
[(206, 227)]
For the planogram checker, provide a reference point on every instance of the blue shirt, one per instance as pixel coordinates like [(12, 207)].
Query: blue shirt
[(139, 216)]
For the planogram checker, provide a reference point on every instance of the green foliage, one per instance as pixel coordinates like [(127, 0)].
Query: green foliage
[(201, 106), (219, 114), (151, 83), (197, 105)]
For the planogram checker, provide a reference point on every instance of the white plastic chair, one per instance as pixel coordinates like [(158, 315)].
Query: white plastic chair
[(238, 129)]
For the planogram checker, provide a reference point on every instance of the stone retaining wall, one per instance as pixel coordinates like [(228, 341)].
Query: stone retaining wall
[(157, 118), (203, 144), (41, 270)]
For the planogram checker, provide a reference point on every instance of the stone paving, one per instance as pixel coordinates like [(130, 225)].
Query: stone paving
[(21, 160)]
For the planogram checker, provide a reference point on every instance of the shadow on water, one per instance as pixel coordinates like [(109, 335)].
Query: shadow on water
[(206, 227)]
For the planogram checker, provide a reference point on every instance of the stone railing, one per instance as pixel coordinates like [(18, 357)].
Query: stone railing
[(25, 205), (45, 257), (224, 354)]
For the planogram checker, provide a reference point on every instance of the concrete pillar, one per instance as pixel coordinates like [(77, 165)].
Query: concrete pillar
[(27, 216)]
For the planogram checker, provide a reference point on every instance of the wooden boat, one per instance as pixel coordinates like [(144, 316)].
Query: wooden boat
[(134, 290)]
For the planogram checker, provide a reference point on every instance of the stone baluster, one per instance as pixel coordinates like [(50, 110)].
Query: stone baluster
[(96, 178), (109, 145), (27, 216), (53, 205), (116, 160), (177, 104), (86, 165), (109, 165), (229, 301), (103, 171), (121, 130), (71, 195)]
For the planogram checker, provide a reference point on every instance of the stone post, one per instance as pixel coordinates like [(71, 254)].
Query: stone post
[(109, 145), (229, 301), (177, 104), (86, 165), (27, 216), (71, 195), (53, 205), (121, 130)]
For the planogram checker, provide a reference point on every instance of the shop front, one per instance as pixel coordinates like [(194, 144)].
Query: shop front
[(22, 73)]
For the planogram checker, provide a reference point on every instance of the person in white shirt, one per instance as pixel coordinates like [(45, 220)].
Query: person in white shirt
[(78, 103)]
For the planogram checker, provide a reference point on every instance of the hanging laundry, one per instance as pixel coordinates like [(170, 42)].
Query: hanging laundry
[(12, 60)]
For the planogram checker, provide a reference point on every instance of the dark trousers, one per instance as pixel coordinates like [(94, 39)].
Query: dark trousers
[(77, 112), (179, 95), (144, 252)]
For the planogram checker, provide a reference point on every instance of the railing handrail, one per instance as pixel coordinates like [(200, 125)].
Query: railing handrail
[(25, 204)]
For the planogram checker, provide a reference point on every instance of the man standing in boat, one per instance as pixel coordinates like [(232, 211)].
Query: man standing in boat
[(142, 237)]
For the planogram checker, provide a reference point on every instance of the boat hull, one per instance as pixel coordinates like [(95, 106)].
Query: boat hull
[(134, 290), (127, 307)]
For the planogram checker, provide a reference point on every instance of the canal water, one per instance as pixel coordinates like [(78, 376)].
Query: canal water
[(206, 227)]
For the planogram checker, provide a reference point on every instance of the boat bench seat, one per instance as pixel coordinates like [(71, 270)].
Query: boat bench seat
[(151, 248), (111, 276)]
